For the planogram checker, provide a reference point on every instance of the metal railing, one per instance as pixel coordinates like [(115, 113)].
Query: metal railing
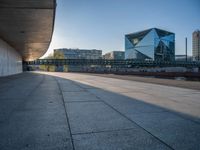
[(113, 63)]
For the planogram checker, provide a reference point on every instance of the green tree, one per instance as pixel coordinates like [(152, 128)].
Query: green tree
[(58, 55)]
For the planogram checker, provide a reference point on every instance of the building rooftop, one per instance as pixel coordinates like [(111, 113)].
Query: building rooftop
[(138, 33)]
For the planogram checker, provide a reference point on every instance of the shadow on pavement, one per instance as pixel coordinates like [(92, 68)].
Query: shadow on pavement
[(48, 111)]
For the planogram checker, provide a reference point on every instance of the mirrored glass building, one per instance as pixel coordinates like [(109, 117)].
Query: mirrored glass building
[(152, 44)]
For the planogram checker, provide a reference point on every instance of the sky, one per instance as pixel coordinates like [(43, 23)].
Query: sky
[(102, 24)]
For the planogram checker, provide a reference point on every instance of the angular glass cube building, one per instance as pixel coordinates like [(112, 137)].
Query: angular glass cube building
[(152, 44)]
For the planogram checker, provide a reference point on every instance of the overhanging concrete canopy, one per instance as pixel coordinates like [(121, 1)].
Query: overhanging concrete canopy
[(27, 25)]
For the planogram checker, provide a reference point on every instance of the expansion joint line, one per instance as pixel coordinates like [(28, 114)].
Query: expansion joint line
[(65, 113), (105, 131), (133, 122)]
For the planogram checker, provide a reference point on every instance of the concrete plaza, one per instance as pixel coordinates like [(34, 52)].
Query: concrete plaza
[(57, 111)]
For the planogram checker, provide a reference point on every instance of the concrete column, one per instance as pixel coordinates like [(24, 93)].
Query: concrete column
[(10, 60)]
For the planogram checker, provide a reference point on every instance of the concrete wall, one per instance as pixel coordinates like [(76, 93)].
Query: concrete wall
[(10, 60)]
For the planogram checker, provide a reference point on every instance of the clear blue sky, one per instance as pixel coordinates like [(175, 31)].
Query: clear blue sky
[(102, 24)]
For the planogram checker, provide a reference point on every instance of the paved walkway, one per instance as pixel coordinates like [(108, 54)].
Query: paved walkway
[(57, 111), (195, 85)]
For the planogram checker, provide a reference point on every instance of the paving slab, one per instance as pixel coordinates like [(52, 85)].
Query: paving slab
[(85, 85), (14, 93), (180, 133), (39, 129), (70, 88), (124, 104), (135, 139), (87, 117), (45, 102), (7, 106), (79, 96)]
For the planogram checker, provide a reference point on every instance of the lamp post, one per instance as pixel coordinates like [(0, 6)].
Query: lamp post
[(186, 49), (198, 46)]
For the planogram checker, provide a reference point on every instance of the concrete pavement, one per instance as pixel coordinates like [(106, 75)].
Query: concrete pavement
[(78, 112)]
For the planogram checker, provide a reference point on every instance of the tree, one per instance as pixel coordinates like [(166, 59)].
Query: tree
[(58, 55)]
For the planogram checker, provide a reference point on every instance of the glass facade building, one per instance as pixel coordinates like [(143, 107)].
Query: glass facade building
[(152, 44)]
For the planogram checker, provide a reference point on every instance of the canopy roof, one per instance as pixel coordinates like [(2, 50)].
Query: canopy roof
[(27, 25)]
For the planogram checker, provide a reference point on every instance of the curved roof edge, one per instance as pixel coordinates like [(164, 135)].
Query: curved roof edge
[(28, 25)]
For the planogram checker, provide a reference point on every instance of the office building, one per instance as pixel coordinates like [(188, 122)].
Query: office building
[(114, 55), (196, 44), (152, 44), (80, 53)]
